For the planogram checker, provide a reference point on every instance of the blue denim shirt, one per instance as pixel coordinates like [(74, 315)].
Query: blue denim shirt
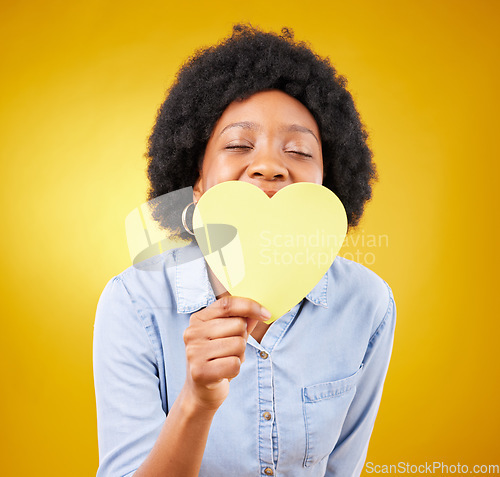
[(306, 398)]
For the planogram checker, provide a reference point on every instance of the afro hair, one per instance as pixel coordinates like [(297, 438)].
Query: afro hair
[(249, 61)]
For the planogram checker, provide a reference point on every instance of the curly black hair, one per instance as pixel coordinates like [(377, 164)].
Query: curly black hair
[(249, 61)]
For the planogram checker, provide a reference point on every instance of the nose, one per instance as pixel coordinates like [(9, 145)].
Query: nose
[(267, 165)]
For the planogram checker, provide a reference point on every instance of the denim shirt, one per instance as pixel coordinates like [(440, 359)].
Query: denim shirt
[(304, 402)]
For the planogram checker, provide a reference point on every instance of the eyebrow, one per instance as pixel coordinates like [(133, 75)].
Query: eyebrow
[(255, 127)]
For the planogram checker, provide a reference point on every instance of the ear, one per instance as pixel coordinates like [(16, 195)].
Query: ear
[(198, 189)]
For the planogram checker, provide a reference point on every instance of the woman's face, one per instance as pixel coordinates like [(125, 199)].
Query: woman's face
[(270, 140)]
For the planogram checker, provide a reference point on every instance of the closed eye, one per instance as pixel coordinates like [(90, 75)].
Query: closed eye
[(300, 153), (242, 147), (238, 146)]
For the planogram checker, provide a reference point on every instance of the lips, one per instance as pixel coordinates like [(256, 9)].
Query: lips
[(270, 193)]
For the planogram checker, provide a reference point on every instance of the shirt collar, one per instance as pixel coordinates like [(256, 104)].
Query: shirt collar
[(194, 291)]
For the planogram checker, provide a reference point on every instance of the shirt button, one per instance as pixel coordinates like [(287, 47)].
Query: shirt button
[(268, 471), (267, 416), (264, 355)]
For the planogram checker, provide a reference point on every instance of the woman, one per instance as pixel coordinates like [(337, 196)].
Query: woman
[(191, 381)]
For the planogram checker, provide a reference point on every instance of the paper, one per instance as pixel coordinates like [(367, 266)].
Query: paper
[(273, 250)]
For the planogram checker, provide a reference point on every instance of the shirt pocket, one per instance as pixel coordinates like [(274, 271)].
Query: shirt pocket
[(325, 408)]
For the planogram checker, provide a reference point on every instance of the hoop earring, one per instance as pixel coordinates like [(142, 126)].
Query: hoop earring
[(184, 213)]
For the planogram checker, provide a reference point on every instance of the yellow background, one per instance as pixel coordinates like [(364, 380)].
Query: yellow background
[(80, 86)]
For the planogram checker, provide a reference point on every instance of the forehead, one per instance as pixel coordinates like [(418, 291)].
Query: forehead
[(268, 109)]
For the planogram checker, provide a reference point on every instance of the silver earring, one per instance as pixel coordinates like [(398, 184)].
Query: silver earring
[(184, 213)]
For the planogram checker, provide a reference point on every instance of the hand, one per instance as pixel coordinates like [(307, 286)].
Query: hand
[(215, 347)]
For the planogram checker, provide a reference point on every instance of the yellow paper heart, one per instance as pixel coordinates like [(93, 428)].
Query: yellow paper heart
[(273, 250)]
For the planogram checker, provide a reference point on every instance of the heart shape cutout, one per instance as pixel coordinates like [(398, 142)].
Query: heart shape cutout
[(273, 250)]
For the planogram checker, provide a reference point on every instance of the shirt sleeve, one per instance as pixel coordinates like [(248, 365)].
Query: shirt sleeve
[(128, 402), (348, 457)]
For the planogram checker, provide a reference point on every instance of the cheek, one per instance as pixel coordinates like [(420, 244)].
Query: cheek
[(321, 172), (221, 171), (318, 172), (311, 173)]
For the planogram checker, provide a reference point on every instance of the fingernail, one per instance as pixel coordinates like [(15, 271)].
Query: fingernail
[(265, 313)]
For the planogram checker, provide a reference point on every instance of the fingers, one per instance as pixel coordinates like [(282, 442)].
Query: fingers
[(214, 372), (225, 347), (212, 361), (223, 327), (209, 350), (228, 316), (229, 306), (216, 340)]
